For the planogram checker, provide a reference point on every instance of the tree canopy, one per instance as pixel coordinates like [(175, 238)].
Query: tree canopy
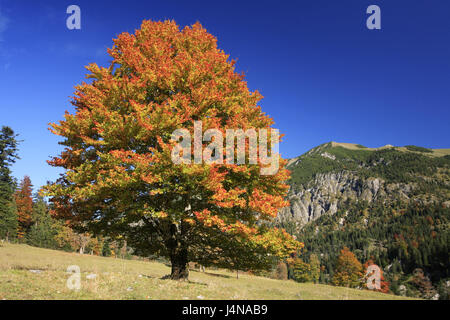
[(120, 179)]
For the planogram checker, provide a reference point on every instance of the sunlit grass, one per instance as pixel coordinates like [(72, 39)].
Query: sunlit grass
[(133, 279)]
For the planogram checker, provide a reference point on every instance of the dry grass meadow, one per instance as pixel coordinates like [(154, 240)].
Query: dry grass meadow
[(35, 273)]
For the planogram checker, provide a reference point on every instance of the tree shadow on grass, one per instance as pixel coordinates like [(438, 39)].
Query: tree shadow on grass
[(216, 275), (198, 283), (167, 277)]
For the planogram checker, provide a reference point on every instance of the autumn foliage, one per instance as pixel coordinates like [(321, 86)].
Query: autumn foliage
[(119, 177), (24, 204), (348, 270)]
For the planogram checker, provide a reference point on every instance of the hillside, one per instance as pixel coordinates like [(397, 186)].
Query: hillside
[(388, 204), (35, 273), (328, 175)]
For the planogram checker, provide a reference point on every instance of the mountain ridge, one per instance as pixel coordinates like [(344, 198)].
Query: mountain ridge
[(353, 170), (355, 146)]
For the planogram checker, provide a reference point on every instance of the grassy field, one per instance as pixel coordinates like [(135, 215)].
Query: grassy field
[(34, 273)]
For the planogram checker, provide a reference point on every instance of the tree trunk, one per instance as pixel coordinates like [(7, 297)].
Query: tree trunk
[(178, 254), (180, 267)]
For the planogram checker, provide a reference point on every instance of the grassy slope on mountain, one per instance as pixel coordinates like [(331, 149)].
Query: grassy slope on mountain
[(393, 164), (132, 279)]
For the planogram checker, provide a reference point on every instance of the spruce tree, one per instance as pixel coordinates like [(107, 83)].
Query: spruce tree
[(106, 250), (42, 232), (315, 267), (8, 211)]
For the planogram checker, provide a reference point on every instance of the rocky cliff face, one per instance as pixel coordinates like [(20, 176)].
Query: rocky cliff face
[(327, 192), (330, 175)]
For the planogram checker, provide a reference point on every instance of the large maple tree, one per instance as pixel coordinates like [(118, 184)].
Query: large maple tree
[(120, 179)]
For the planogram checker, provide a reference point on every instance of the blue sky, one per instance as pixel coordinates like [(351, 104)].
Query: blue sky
[(324, 75)]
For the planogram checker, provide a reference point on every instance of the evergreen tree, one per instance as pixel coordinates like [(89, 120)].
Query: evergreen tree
[(8, 218), (106, 250), (315, 267), (8, 155), (42, 232)]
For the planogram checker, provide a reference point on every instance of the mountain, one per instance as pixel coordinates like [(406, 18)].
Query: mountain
[(388, 204), (329, 175)]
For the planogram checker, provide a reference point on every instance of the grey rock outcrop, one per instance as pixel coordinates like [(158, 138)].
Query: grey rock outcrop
[(327, 191)]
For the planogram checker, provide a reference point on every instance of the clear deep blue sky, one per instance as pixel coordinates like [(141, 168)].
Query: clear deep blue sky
[(324, 75)]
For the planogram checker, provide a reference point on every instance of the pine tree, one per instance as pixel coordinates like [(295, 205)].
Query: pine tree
[(315, 267), (106, 249), (8, 211), (42, 232)]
